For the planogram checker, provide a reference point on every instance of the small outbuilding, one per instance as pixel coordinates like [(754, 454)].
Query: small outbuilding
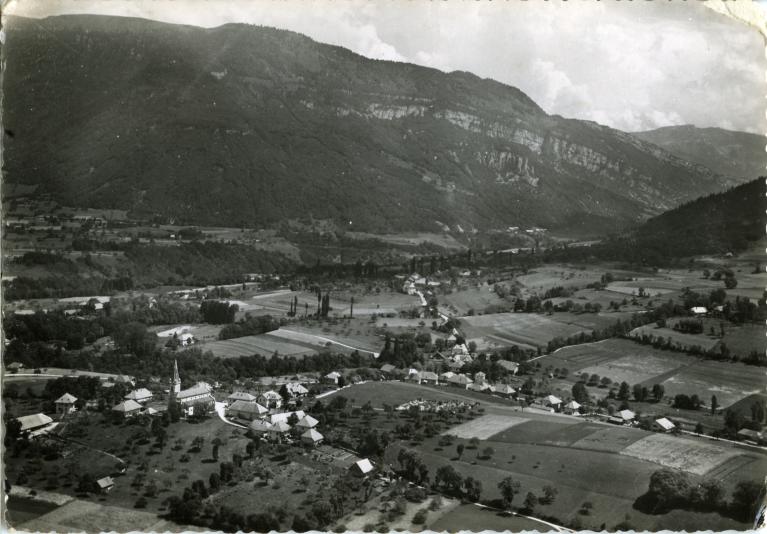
[(361, 468), (65, 404), (127, 408), (663, 425), (312, 437), (105, 484)]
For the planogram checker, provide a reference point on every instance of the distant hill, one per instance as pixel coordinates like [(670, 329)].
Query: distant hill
[(736, 154), (246, 126)]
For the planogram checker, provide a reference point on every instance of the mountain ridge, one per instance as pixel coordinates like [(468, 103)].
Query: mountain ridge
[(248, 125)]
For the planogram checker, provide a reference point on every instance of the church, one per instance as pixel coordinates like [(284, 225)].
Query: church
[(197, 395)]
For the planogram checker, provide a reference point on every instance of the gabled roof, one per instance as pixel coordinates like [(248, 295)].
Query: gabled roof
[(626, 415), (124, 379), (247, 407), (200, 388), (259, 425), (270, 395), (387, 368), (105, 482), (280, 426), (313, 435), (479, 386), (33, 421), (509, 366), (505, 389), (333, 375), (139, 394), (664, 423), (447, 375), (428, 375), (277, 417), (66, 398), (551, 399), (127, 406), (364, 466), (242, 395), (460, 379), (294, 388), (307, 422), (572, 405)]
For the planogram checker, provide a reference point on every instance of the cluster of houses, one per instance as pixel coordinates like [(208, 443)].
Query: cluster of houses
[(415, 282)]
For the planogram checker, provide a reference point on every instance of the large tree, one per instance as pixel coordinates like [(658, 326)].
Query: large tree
[(509, 488)]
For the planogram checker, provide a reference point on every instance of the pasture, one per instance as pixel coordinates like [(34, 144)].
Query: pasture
[(638, 366), (518, 328), (469, 516), (589, 355), (730, 382), (263, 344), (365, 303), (742, 340), (475, 298), (679, 339), (356, 333)]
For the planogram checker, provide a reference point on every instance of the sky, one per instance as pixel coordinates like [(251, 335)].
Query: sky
[(633, 65)]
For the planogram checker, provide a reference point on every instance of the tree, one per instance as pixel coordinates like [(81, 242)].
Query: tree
[(714, 404), (746, 499), (580, 393), (549, 494), (530, 501), (459, 449), (472, 488), (670, 488), (657, 392), (624, 391), (214, 481), (449, 478), (709, 495), (474, 443), (639, 392), (509, 488), (488, 452)]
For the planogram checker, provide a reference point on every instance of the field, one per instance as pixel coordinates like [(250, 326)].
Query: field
[(278, 302), (743, 340), (459, 302), (590, 321), (518, 328), (470, 516), (264, 344), (347, 334), (680, 453), (485, 426), (679, 339), (201, 332), (624, 360)]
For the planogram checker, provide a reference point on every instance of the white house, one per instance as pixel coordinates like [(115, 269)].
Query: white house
[(572, 407), (65, 404), (311, 437), (270, 399), (141, 395), (626, 415), (246, 410), (699, 310), (307, 421), (554, 402), (504, 389), (663, 425), (333, 376), (361, 468), (240, 396), (460, 380), (284, 416), (128, 408)]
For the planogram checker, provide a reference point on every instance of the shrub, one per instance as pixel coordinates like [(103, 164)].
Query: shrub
[(420, 516), (140, 503)]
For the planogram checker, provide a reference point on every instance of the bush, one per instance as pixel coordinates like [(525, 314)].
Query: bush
[(415, 494), (140, 503), (420, 516)]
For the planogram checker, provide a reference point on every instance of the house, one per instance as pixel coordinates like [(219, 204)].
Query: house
[(240, 396), (699, 310), (34, 422), (312, 437), (197, 395), (626, 416), (105, 484), (296, 390), (477, 386), (65, 404), (553, 402), (511, 367), (124, 379), (460, 349), (141, 395), (307, 421), (455, 366), (271, 399), (747, 434), (283, 417), (361, 468), (572, 407), (127, 408), (246, 410), (505, 389), (427, 377), (278, 430), (259, 426), (460, 380), (479, 377), (663, 425), (388, 369), (447, 375), (15, 366), (333, 376)]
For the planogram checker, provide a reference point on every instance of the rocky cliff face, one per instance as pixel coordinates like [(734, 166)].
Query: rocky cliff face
[(243, 125)]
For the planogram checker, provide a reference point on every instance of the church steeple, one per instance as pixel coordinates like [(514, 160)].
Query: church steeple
[(175, 385)]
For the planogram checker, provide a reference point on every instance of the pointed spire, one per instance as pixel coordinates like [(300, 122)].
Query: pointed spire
[(176, 381)]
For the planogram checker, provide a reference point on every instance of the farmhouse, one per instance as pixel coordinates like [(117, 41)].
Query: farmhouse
[(124, 379), (553, 402), (34, 423), (246, 410), (278, 430), (311, 437), (480, 386), (424, 377), (127, 408), (296, 390), (307, 422), (141, 395), (663, 425), (15, 366), (747, 434), (699, 310), (283, 417), (333, 377), (105, 484), (447, 375), (512, 367), (271, 399), (259, 426), (505, 389), (240, 396), (460, 380), (388, 369), (572, 407), (65, 404), (626, 416), (361, 468)]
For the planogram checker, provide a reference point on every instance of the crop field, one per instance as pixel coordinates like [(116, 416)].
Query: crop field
[(473, 298), (636, 367), (591, 355), (411, 239), (680, 339), (590, 321), (357, 333), (340, 343), (632, 289), (743, 340), (518, 328), (730, 382), (249, 345), (279, 302), (545, 277), (610, 439), (485, 426), (689, 455), (201, 332)]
